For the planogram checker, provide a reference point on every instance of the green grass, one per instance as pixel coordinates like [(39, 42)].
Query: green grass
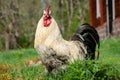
[(110, 51), (13, 65), (17, 56)]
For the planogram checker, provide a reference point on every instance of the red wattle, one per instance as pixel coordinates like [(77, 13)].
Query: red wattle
[(46, 21)]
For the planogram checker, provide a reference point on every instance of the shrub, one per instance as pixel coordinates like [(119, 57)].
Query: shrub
[(87, 70)]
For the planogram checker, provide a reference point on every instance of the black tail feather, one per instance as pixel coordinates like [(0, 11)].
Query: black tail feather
[(90, 38)]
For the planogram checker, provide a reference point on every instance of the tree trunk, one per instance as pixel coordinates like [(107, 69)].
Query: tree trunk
[(7, 41), (61, 15), (14, 41)]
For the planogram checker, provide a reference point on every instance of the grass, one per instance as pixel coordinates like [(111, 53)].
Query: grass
[(17, 56), (110, 51), (13, 65)]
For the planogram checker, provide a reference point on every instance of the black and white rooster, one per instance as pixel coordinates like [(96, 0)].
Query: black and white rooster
[(55, 51)]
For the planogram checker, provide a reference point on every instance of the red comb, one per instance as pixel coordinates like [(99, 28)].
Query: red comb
[(47, 10)]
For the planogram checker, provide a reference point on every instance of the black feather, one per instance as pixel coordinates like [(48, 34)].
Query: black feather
[(90, 38)]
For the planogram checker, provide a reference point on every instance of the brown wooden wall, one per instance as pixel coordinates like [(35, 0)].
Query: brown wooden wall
[(117, 8), (94, 21), (100, 22)]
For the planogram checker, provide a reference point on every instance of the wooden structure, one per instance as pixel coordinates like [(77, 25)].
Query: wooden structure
[(105, 17)]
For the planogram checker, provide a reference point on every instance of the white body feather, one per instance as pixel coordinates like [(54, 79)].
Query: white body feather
[(50, 37)]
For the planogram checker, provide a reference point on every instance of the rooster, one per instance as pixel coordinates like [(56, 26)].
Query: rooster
[(55, 51)]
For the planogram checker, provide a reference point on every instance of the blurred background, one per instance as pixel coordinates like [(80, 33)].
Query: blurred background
[(19, 18)]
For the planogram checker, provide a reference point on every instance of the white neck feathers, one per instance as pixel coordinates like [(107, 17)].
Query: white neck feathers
[(46, 35)]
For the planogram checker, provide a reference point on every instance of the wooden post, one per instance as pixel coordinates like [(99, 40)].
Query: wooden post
[(109, 17), (103, 11), (93, 20)]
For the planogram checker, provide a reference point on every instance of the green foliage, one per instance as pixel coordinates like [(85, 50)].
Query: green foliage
[(84, 70), (13, 67), (92, 70)]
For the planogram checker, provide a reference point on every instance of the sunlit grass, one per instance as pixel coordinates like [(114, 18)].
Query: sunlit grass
[(110, 51), (17, 56), (14, 65)]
